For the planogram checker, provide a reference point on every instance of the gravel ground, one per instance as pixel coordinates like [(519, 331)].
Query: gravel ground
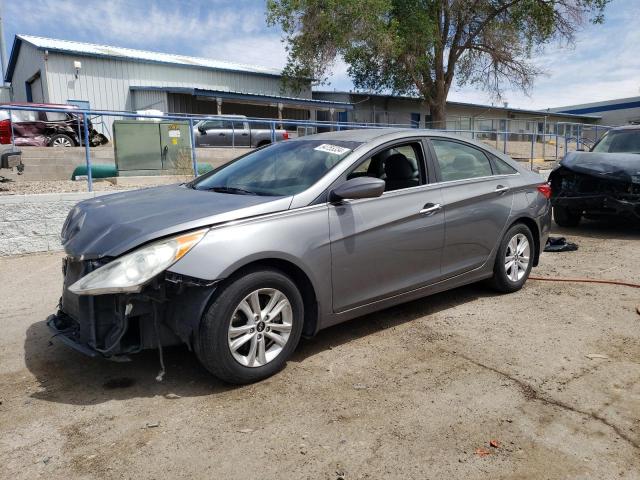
[(416, 391)]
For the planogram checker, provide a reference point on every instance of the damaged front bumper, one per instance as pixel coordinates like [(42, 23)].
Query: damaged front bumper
[(599, 204), (596, 194), (164, 313)]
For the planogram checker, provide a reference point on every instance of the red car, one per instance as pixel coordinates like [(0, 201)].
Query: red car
[(45, 129)]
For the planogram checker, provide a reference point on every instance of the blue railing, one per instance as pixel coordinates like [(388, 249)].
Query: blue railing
[(501, 138)]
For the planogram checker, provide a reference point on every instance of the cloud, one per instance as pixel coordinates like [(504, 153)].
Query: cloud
[(603, 64), (220, 30)]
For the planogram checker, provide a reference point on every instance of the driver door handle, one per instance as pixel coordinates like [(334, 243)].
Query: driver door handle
[(501, 189), (430, 209)]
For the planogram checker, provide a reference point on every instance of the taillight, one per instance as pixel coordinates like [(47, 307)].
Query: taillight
[(545, 189), (5, 131), (285, 135)]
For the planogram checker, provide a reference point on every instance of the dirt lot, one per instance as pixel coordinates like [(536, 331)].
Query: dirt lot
[(410, 392)]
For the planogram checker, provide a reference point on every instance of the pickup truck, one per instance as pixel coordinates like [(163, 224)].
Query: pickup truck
[(234, 130)]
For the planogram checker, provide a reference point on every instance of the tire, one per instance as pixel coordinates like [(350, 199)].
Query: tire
[(505, 279), (213, 342), (565, 217), (61, 140), (264, 143)]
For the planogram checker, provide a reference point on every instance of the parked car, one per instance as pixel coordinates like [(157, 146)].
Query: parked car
[(234, 130), (10, 159), (602, 182), (45, 129), (293, 238)]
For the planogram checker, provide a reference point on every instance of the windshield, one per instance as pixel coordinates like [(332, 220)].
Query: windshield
[(619, 142), (282, 169)]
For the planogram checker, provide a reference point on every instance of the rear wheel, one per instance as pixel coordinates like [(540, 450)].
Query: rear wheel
[(565, 217), (251, 328), (61, 140), (514, 259)]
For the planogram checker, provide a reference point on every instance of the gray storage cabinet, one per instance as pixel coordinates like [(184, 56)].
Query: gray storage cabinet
[(152, 148)]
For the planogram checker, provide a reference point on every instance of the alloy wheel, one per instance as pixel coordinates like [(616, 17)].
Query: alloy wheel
[(61, 142), (517, 258), (260, 327)]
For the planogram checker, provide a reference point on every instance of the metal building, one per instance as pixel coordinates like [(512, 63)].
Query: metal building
[(621, 111), (412, 111), (102, 77)]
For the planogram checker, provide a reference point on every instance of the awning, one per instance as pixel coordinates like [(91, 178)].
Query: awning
[(252, 97)]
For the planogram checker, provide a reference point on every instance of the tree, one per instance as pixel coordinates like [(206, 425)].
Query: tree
[(418, 47)]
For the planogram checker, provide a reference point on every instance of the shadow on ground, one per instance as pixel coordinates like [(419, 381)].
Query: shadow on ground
[(604, 228), (66, 376)]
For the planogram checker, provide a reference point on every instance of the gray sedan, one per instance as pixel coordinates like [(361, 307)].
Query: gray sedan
[(293, 238)]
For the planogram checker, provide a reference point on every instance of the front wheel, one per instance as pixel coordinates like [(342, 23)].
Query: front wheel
[(251, 328), (565, 217), (514, 259)]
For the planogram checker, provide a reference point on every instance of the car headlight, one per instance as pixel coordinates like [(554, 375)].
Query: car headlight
[(132, 271)]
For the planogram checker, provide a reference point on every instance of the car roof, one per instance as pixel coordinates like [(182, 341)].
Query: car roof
[(370, 134), (36, 105)]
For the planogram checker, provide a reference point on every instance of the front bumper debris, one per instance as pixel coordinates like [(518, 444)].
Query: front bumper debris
[(116, 325), (65, 329)]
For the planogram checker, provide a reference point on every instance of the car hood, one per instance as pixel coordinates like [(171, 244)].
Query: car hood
[(110, 225), (621, 167)]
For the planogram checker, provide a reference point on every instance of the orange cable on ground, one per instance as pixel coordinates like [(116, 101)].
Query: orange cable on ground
[(586, 280)]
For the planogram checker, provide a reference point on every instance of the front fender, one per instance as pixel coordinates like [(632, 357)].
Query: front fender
[(299, 236)]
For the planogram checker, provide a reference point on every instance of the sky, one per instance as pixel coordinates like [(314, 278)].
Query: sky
[(603, 64)]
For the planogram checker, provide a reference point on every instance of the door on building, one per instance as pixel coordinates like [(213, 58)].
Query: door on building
[(415, 120), (343, 117), (34, 90)]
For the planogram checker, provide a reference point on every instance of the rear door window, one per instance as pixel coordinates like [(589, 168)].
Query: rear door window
[(56, 116), (458, 161), (501, 167)]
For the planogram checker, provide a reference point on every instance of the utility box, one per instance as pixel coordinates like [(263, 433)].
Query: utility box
[(152, 148)]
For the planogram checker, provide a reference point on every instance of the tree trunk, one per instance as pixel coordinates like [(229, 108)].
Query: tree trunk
[(438, 111)]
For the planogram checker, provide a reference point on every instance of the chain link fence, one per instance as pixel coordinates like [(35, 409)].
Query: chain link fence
[(128, 147)]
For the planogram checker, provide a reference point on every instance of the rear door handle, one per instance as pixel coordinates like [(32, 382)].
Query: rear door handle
[(501, 189), (430, 209)]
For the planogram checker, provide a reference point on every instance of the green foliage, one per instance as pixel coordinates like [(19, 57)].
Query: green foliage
[(419, 46)]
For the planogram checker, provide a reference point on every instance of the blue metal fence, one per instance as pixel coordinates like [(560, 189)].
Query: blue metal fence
[(505, 141)]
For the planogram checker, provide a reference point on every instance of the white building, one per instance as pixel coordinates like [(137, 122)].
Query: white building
[(100, 77)]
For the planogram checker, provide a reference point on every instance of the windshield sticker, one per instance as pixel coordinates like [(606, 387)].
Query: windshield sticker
[(335, 149)]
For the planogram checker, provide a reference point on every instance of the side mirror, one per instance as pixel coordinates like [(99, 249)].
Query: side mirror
[(201, 129), (359, 187)]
